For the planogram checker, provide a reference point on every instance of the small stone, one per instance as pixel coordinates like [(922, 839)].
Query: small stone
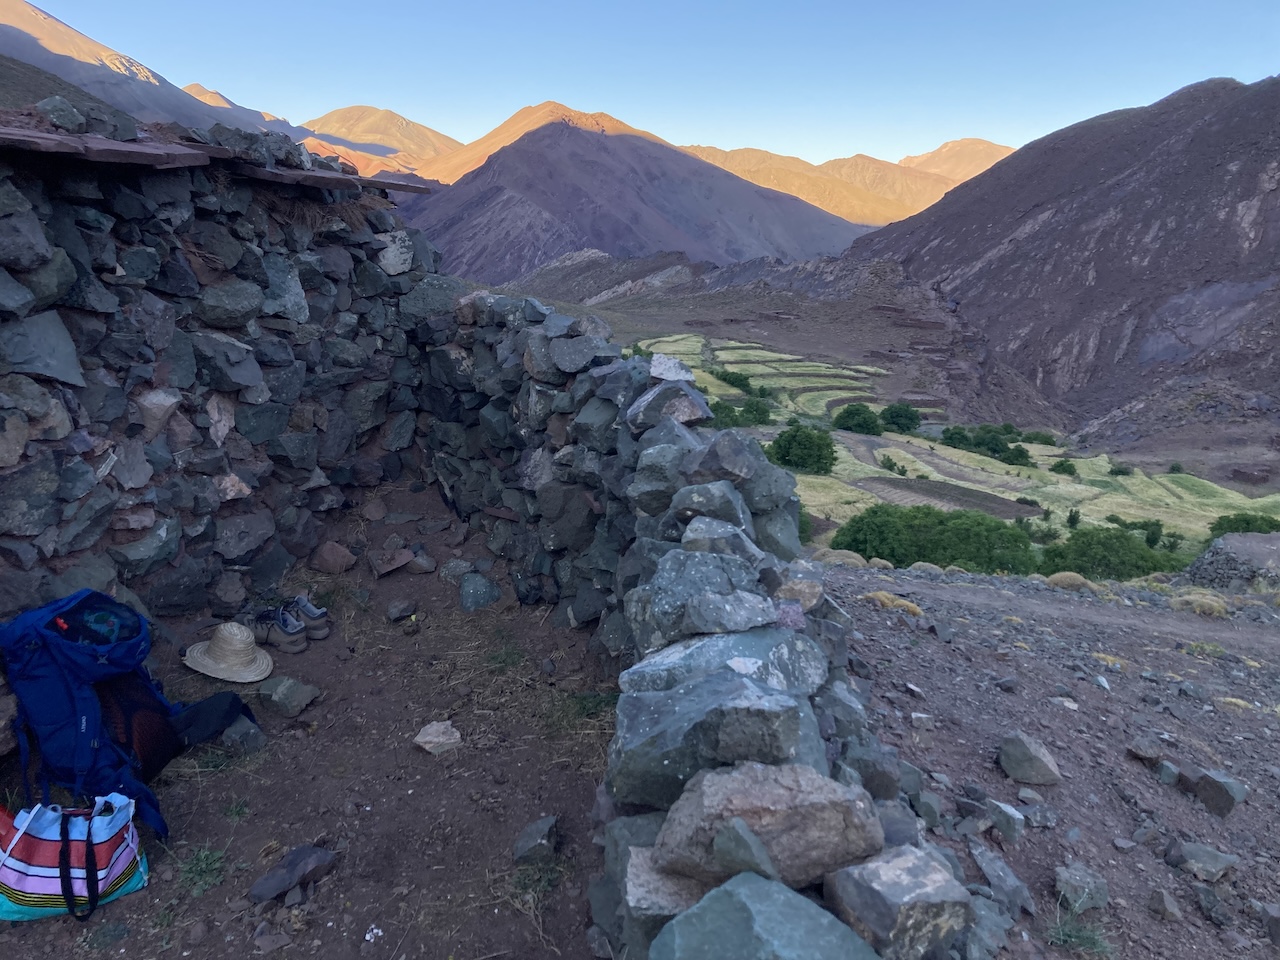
[(1167, 773), (438, 737), (299, 867), (537, 842), (1026, 760), (399, 610), (477, 591), (1007, 684), (1007, 820), (1027, 795), (1220, 792), (287, 696), (332, 558), (243, 736), (383, 562), (1080, 888), (1200, 860), (455, 569), (1164, 906), (1123, 845), (1147, 748)]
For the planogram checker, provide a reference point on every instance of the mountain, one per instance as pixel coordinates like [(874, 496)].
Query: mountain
[(1131, 247), (377, 140), (232, 114), (29, 34), (461, 161), (561, 188), (958, 160)]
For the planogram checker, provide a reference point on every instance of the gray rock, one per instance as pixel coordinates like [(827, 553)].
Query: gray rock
[(398, 254), (454, 569), (297, 868), (988, 935), (59, 111), (657, 478), (775, 658), (286, 696), (1026, 760), (240, 535), (16, 301), (224, 362), (537, 842), (51, 281), (13, 437), (778, 532), (1080, 888), (262, 422), (1200, 860), (736, 849), (807, 823), (243, 736), (1238, 558), (1164, 906), (399, 610), (903, 902), (751, 918), (1006, 888), (708, 535), (676, 399), (663, 738), (23, 245), (651, 899), (159, 545), (39, 344), (656, 610), (1220, 792), (728, 613), (284, 295), (901, 829), (230, 304), (1007, 820), (718, 500), (131, 469), (477, 591)]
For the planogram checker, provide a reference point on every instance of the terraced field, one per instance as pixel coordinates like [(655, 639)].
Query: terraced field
[(801, 386)]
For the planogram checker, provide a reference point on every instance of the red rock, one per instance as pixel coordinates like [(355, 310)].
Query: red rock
[(332, 558)]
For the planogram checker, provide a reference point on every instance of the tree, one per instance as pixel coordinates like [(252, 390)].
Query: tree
[(1175, 467), (904, 535), (1073, 518), (1064, 467), (755, 412), (1244, 523), (1105, 553), (805, 449), (858, 418), (901, 417), (1017, 456)]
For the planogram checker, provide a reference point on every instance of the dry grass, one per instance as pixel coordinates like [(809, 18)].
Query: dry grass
[(1067, 580), (313, 215), (888, 601), (1204, 603)]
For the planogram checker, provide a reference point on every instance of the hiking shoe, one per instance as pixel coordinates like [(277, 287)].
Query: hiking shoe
[(274, 627), (315, 619)]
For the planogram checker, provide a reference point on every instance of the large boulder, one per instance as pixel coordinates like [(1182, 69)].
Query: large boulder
[(808, 824), (751, 918), (1236, 560), (904, 903), (777, 658), (665, 737)]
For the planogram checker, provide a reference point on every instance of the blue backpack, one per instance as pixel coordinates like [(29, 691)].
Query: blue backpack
[(54, 656)]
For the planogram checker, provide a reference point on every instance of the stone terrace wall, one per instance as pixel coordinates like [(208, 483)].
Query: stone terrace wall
[(195, 370)]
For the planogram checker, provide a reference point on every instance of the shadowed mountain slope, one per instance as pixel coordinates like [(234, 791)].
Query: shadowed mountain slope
[(561, 188)]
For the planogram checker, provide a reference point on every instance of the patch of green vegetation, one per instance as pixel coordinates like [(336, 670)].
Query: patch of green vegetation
[(905, 535), (1078, 936), (1064, 467), (900, 417), (506, 657), (753, 413), (1244, 523), (1101, 553), (858, 418), (1198, 649), (237, 810), (803, 448), (203, 870), (998, 442)]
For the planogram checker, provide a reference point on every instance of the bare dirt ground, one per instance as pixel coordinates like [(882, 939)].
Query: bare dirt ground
[(1207, 687), (425, 843)]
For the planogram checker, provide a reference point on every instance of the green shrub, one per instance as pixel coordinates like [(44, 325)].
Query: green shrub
[(726, 415), (1244, 523), (1100, 553), (1017, 456), (1175, 467), (1064, 467), (858, 418), (893, 466), (901, 417), (806, 525), (1120, 471), (739, 380), (1073, 518), (755, 412), (805, 449), (1039, 436), (904, 535), (639, 351)]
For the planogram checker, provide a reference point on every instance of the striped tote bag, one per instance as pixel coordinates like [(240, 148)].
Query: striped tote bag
[(57, 860)]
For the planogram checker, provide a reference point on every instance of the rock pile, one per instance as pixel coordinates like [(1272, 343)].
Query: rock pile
[(1236, 561)]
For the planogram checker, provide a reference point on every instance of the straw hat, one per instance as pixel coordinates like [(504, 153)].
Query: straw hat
[(231, 654)]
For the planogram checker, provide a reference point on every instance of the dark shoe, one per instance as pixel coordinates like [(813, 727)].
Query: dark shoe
[(314, 619)]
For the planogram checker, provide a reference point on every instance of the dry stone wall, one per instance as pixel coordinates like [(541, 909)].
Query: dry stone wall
[(197, 369)]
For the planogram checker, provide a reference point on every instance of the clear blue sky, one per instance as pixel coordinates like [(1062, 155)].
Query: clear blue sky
[(813, 78)]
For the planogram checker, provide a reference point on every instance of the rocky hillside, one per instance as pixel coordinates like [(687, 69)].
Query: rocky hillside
[(376, 140), (1119, 251), (562, 188)]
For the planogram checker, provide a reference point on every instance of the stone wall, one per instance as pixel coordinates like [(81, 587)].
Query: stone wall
[(197, 368)]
